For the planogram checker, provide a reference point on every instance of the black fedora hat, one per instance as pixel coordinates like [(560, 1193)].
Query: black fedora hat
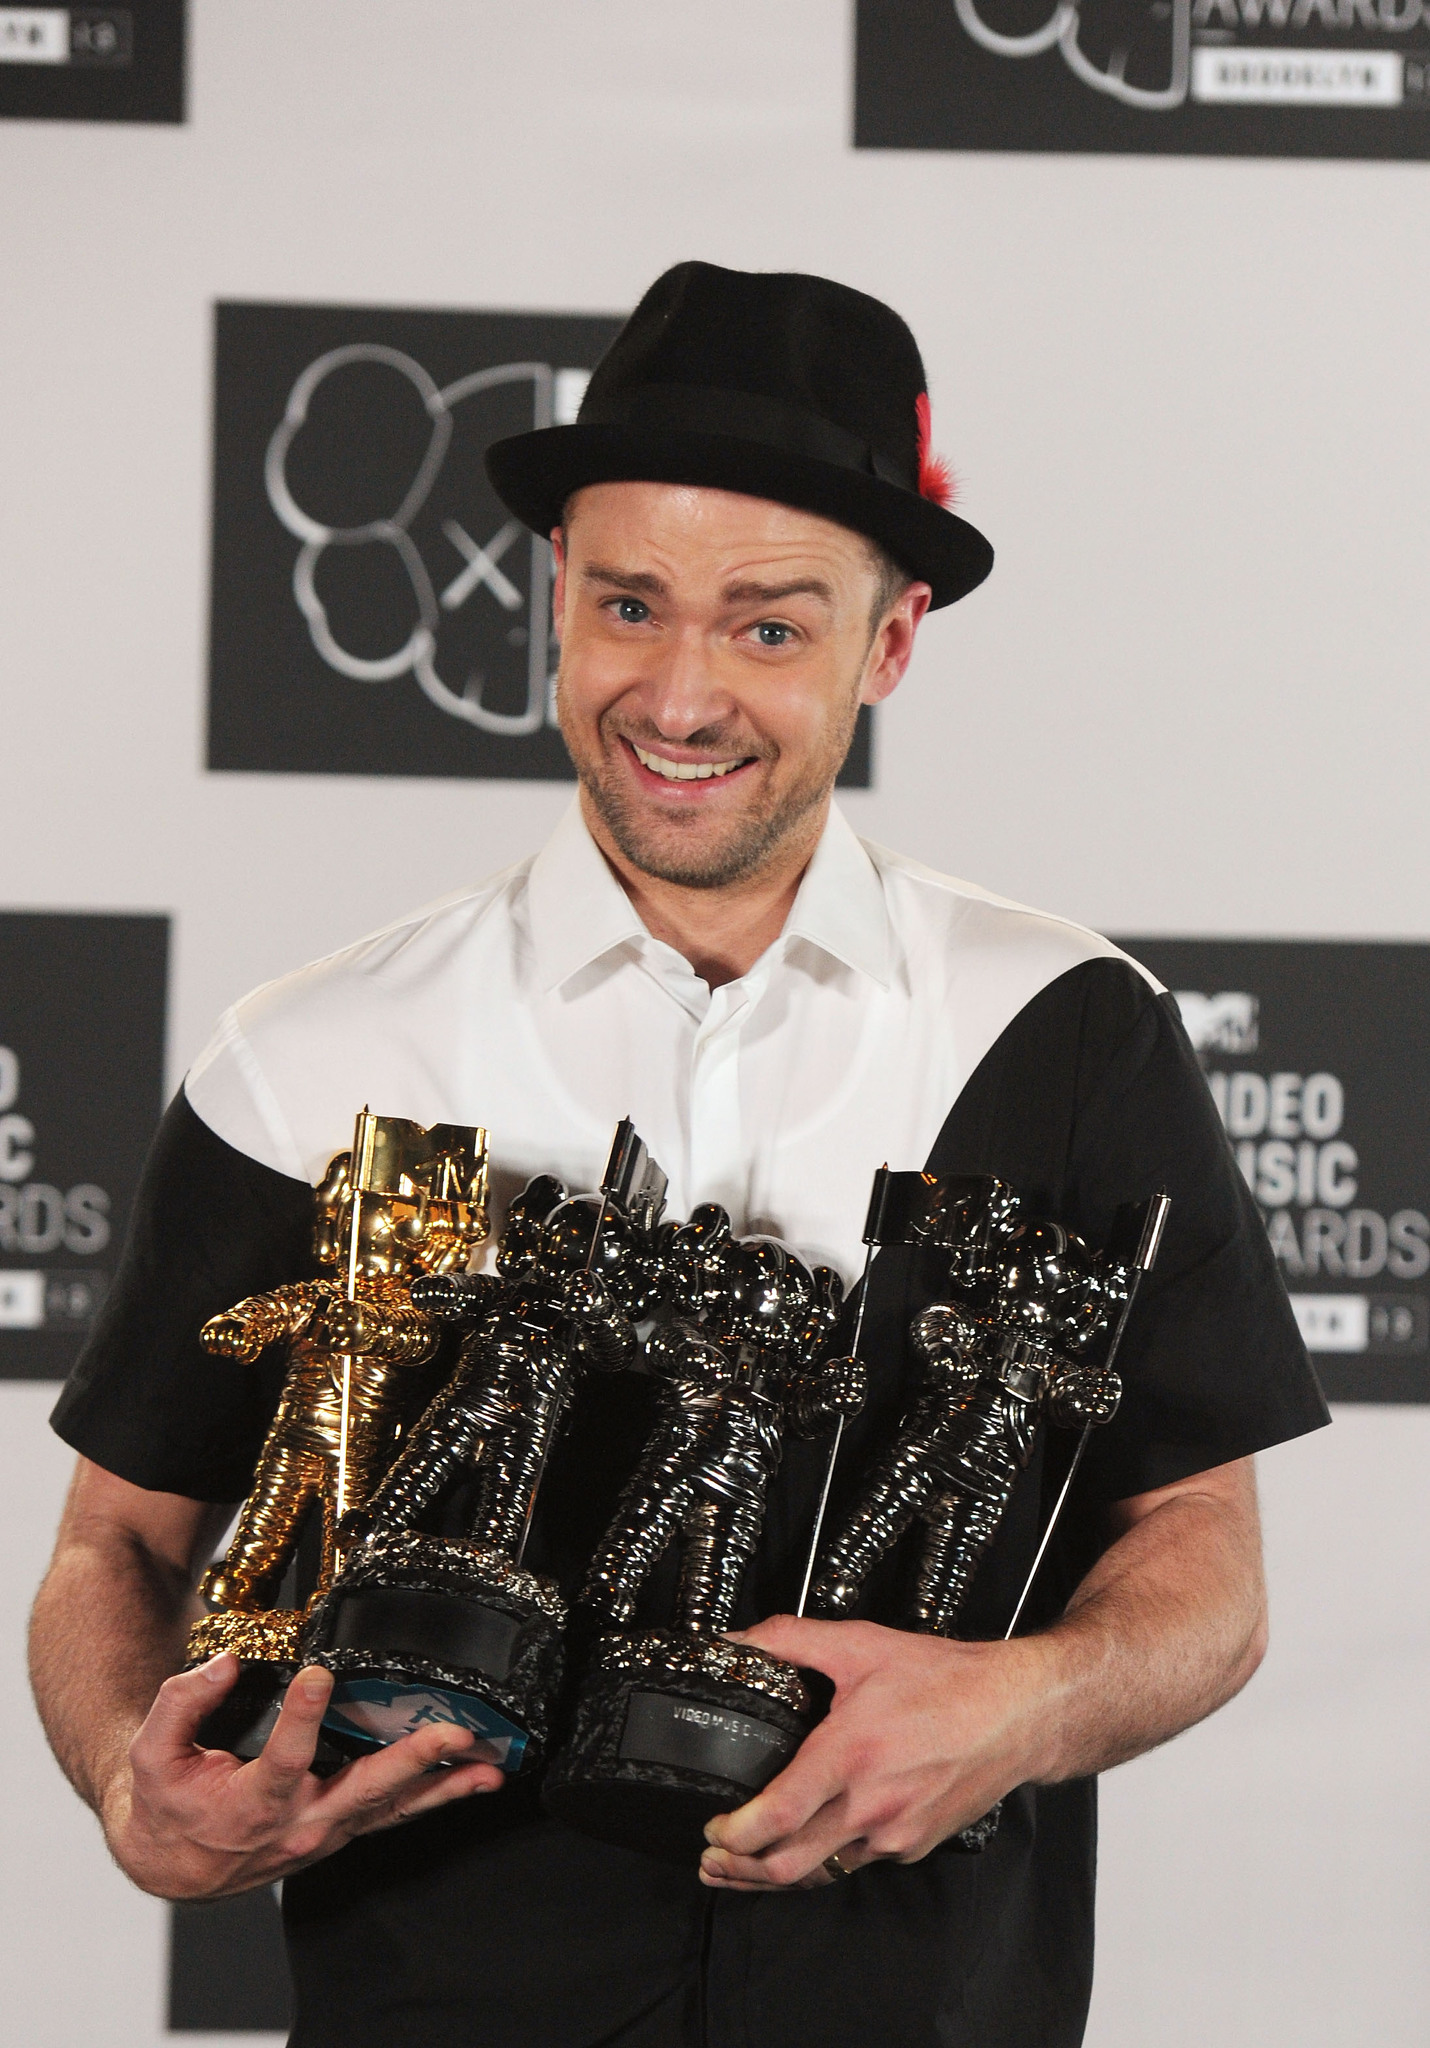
[(769, 383)]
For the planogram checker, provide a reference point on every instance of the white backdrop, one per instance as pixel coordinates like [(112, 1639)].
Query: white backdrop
[(1186, 401)]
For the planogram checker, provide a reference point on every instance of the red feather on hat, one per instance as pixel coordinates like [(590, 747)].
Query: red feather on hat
[(936, 479)]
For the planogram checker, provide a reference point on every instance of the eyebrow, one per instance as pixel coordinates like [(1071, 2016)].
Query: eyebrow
[(734, 593), (625, 579), (772, 593)]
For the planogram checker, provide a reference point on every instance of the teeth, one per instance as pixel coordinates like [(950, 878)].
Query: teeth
[(682, 771)]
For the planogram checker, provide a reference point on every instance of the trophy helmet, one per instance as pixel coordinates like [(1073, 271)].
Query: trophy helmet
[(694, 1258), (620, 1258), (521, 1236), (770, 1293), (1040, 1285)]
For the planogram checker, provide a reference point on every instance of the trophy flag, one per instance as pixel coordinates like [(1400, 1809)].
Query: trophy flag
[(905, 1201), (632, 1178)]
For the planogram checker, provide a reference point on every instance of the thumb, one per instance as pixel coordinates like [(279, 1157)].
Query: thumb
[(181, 1706), (822, 1645)]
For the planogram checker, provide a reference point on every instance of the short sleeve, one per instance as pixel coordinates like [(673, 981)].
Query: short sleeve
[(1212, 1364), (145, 1400), (1092, 1099)]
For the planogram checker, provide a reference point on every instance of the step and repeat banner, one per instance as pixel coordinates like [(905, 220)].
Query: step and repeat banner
[(1335, 78), (372, 612)]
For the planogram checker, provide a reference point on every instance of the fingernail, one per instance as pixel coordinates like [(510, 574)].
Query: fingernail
[(217, 1667), (315, 1687), (735, 1635)]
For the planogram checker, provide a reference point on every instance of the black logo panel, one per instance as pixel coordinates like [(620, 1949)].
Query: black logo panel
[(376, 610), (93, 63), (1317, 1058), (1333, 78), (82, 1003)]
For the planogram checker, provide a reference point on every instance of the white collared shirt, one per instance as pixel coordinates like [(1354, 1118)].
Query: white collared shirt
[(538, 1005)]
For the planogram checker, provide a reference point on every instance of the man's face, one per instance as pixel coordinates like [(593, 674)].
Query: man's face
[(715, 650)]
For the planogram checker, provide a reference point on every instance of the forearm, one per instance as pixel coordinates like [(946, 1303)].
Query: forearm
[(1146, 1646), (110, 1619)]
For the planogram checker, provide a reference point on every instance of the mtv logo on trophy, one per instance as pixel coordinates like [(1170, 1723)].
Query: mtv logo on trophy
[(376, 610)]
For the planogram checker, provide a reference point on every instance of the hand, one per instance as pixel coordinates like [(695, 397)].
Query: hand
[(843, 1386), (924, 1736), (352, 1326), (585, 1297), (191, 1823), (232, 1336)]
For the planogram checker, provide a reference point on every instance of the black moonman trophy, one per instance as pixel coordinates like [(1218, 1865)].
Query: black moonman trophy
[(677, 1724), (423, 1627), (1032, 1330)]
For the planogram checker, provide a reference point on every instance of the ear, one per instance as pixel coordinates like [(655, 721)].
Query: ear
[(558, 587), (893, 644)]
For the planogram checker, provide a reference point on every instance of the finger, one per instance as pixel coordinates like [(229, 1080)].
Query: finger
[(378, 1789), (798, 1859), (814, 1776), (833, 1647), (181, 1706), (441, 1788), (291, 1746)]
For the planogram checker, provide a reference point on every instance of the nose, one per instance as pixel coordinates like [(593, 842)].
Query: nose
[(682, 694)]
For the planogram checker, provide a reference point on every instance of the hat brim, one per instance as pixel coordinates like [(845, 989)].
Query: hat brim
[(534, 475)]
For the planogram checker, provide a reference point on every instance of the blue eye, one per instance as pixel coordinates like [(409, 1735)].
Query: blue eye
[(631, 612), (770, 634)]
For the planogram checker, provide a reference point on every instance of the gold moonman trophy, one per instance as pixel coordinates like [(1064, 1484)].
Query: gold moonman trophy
[(407, 1200)]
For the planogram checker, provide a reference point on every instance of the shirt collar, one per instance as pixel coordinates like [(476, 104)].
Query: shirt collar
[(840, 906), (578, 910)]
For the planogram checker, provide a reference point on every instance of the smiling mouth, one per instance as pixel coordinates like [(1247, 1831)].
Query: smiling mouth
[(687, 771)]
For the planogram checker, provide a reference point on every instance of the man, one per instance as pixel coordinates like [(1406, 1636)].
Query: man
[(748, 529)]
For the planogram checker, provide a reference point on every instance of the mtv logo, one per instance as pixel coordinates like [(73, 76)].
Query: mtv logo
[(1227, 1022)]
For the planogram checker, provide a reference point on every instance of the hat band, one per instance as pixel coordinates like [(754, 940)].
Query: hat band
[(743, 416)]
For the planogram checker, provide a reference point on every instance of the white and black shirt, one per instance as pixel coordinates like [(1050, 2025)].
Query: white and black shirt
[(901, 1017)]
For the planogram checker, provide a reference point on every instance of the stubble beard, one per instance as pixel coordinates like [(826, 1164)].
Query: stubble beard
[(750, 840)]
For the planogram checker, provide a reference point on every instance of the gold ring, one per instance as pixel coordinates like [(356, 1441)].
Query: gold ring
[(836, 1866)]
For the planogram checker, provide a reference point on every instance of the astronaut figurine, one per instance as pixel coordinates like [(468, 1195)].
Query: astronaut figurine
[(347, 1388), (422, 1626), (405, 1201), (676, 1724), (731, 1382), (548, 1318), (991, 1369)]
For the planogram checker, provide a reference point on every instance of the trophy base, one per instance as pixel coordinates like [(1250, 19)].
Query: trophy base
[(669, 1730), (266, 1646), (424, 1629)]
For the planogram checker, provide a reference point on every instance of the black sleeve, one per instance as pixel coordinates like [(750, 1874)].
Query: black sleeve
[(1093, 1098), (145, 1400)]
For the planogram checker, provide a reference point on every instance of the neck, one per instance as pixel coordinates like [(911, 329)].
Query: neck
[(721, 932)]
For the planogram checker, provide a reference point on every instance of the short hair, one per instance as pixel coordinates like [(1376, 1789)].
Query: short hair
[(891, 582)]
